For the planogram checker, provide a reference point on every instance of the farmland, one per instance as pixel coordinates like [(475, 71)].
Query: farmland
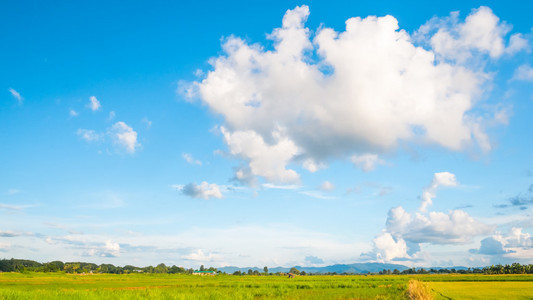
[(170, 286)]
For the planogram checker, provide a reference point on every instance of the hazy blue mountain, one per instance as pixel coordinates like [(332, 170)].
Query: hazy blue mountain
[(357, 268)]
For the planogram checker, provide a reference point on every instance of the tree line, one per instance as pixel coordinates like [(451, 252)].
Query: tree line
[(514, 268), (24, 265)]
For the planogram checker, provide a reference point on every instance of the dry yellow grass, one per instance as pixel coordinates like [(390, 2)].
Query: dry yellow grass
[(419, 290)]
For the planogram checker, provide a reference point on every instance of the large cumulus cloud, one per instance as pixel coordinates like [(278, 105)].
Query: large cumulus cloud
[(317, 97)]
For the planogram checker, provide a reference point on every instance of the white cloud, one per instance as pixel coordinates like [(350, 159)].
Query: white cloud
[(281, 187), (517, 43), (8, 233), (367, 162), (147, 122), (244, 176), (524, 72), (517, 238), (454, 227), (513, 245), (111, 116), (481, 32), (188, 158), (94, 104), (73, 113), (265, 160), (199, 256), (109, 249), (439, 179), (317, 195), (312, 166), (404, 232), (89, 135), (124, 136), (16, 95), (203, 190), (15, 207), (388, 247), (120, 134), (327, 186), (285, 106)]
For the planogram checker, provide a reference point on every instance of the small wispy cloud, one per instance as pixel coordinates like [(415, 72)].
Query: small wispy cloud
[(522, 200), (188, 158), (317, 195), (10, 233), (88, 135), (16, 95), (200, 256), (120, 134), (147, 122), (14, 207), (73, 113), (109, 249), (524, 72), (439, 179), (12, 191), (108, 200), (281, 187), (203, 190), (94, 104), (111, 116), (327, 186), (367, 162), (124, 136)]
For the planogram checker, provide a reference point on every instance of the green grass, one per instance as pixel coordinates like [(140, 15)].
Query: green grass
[(165, 286)]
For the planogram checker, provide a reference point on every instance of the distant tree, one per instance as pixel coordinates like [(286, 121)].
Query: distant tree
[(53, 266), (72, 268), (202, 268), (130, 269), (237, 273), (294, 271), (161, 269), (148, 269), (265, 269), (176, 270), (250, 272), (396, 272)]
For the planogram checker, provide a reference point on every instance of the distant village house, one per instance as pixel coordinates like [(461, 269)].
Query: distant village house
[(204, 273)]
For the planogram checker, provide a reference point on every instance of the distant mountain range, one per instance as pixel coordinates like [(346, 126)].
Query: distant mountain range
[(357, 268)]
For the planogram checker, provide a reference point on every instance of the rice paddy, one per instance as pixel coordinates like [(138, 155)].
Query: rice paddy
[(170, 286)]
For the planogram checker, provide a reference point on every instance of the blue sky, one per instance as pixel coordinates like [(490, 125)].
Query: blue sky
[(281, 133)]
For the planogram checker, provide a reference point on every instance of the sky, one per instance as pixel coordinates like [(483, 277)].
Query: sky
[(243, 133)]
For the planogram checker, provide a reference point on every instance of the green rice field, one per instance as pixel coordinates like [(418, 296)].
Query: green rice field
[(166, 286)]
